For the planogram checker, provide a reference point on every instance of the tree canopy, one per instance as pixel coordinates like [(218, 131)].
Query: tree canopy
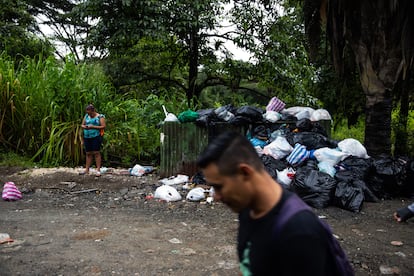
[(158, 48)]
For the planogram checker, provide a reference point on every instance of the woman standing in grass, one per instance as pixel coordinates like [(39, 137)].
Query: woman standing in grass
[(93, 125)]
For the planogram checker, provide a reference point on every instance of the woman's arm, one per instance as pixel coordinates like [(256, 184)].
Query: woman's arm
[(102, 122)]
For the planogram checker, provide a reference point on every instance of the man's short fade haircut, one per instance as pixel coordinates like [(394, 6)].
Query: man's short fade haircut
[(227, 151)]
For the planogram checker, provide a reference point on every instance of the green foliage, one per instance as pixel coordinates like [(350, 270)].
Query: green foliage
[(342, 130), (42, 106), (43, 103), (11, 159), (17, 30), (275, 35), (133, 126), (409, 129)]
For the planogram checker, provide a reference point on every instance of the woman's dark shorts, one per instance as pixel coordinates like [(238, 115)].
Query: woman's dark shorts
[(93, 144)]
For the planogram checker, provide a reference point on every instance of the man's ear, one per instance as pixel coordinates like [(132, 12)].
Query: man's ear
[(246, 170)]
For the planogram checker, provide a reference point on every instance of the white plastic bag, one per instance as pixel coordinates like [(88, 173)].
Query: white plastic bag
[(179, 179), (167, 193), (272, 116), (353, 147), (137, 170), (320, 114), (259, 150), (329, 156), (294, 110), (169, 117), (279, 148), (327, 168), (283, 177), (304, 114), (196, 194)]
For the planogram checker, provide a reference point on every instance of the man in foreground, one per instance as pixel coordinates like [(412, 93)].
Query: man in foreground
[(266, 246)]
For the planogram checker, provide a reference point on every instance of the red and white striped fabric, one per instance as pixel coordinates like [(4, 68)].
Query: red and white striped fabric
[(10, 192), (275, 105)]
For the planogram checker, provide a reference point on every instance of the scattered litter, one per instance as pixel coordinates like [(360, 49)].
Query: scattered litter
[(397, 243), (167, 193), (196, 194), (149, 196), (175, 180), (386, 270), (5, 238), (10, 192), (188, 251), (400, 254), (137, 170), (359, 233), (175, 240)]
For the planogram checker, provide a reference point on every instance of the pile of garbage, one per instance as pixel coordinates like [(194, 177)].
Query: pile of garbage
[(172, 188), (246, 115), (326, 172), (300, 156)]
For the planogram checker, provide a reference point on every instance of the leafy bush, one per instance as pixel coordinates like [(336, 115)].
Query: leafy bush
[(342, 131), (43, 103), (133, 132)]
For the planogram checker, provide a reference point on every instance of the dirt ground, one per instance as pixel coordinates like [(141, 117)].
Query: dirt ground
[(67, 224)]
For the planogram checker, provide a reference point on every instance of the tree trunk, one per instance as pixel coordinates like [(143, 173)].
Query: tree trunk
[(378, 127), (377, 85)]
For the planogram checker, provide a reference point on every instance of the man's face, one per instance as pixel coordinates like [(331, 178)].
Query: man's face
[(232, 190)]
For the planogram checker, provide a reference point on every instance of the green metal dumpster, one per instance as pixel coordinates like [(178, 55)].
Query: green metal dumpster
[(182, 143)]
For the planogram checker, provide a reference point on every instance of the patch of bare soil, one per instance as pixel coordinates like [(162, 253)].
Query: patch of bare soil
[(68, 224)]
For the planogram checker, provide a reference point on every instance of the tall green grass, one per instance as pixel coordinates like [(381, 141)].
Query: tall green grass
[(341, 130), (43, 102)]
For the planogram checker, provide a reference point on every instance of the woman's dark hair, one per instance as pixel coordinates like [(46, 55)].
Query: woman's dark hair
[(90, 107), (227, 151)]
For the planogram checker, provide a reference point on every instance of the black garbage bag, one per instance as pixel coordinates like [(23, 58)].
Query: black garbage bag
[(389, 177), (353, 179), (306, 125), (348, 196), (360, 167), (198, 178), (247, 115), (318, 128), (260, 131), (255, 113), (206, 117), (410, 177), (311, 140), (288, 117), (314, 187), (273, 165)]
